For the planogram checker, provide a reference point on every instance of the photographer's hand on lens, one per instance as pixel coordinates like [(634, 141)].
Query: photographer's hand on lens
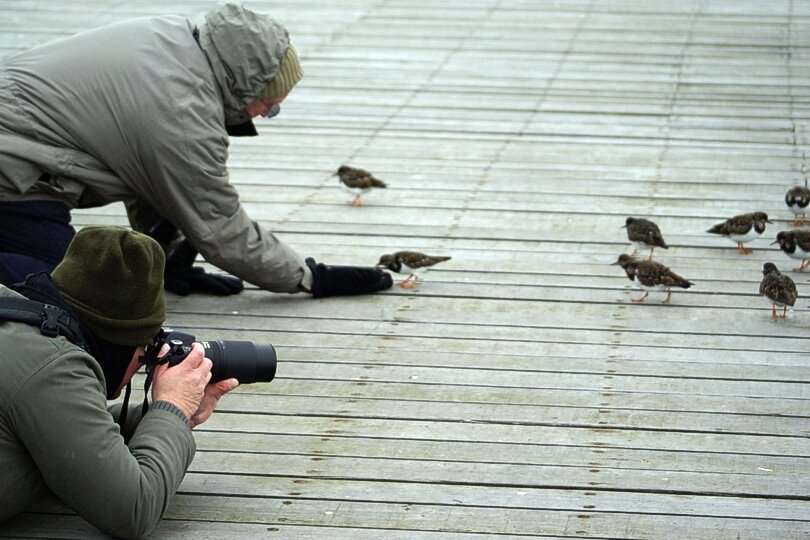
[(181, 278), (211, 396), (346, 280), (184, 384)]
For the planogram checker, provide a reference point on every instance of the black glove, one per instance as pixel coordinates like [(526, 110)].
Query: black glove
[(346, 280), (181, 278)]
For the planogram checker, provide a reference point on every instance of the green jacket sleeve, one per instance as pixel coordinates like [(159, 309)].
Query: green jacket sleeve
[(61, 417)]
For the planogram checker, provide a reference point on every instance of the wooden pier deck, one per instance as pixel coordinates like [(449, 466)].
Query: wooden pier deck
[(517, 391)]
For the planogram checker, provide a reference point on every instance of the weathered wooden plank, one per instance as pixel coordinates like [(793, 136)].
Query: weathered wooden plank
[(572, 415), (290, 488), (474, 519), (516, 336), (68, 527), (588, 456), (417, 519), (513, 434)]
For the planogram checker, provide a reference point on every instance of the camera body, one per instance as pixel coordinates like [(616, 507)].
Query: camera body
[(246, 361)]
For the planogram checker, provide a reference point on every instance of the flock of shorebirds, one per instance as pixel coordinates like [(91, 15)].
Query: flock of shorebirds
[(778, 288), (647, 274), (359, 182)]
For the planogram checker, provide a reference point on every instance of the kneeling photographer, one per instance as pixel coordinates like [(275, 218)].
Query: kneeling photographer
[(99, 309)]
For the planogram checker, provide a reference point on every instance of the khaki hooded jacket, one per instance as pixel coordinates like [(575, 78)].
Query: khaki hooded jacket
[(136, 111), (56, 432)]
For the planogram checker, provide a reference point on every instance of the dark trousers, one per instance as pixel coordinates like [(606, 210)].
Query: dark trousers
[(34, 236)]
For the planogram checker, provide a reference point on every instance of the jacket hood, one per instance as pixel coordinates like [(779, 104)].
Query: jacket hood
[(245, 50)]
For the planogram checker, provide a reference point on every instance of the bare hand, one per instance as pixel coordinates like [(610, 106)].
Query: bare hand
[(210, 399), (184, 385)]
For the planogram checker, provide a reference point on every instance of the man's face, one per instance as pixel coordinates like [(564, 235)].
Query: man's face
[(263, 107), (134, 366)]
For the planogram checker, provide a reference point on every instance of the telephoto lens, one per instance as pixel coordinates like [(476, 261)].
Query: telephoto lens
[(246, 361)]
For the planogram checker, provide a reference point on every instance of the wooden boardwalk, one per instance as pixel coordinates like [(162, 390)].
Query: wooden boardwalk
[(516, 392)]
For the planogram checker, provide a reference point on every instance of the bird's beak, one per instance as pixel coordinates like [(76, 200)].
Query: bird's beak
[(614, 263), (768, 221), (774, 242), (623, 227)]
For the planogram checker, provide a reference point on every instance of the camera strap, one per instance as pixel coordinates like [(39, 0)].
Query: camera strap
[(52, 320)]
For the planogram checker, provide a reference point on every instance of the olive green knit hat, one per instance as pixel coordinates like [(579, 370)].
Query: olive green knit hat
[(287, 76), (112, 277)]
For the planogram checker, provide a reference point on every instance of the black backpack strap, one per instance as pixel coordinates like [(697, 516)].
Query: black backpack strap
[(51, 320)]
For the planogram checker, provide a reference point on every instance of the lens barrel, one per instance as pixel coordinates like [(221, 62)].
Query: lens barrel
[(246, 361)]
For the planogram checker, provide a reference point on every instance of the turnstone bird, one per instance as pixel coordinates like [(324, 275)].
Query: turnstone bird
[(644, 234), (796, 245), (651, 276), (797, 198), (357, 182), (742, 229), (778, 288), (409, 262)]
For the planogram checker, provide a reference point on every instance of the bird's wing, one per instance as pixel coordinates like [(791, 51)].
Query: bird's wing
[(648, 273), (787, 291), (802, 239), (359, 179), (415, 259)]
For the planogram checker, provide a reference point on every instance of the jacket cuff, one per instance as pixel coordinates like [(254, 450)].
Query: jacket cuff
[(172, 408), (306, 280)]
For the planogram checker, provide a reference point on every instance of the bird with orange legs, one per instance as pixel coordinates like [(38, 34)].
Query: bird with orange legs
[(796, 245), (651, 276), (778, 288), (357, 182), (742, 229), (644, 234), (409, 262)]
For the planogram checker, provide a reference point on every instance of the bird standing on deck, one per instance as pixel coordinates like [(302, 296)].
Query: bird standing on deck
[(778, 288), (357, 182), (644, 234), (651, 276), (797, 199), (742, 228), (796, 245), (409, 262)]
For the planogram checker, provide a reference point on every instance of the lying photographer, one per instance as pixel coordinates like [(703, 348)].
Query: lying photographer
[(141, 111), (56, 431)]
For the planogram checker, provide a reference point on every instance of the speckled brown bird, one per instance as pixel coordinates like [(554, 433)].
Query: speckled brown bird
[(778, 288), (651, 276), (796, 245), (409, 262), (644, 234), (357, 182), (742, 228), (797, 199)]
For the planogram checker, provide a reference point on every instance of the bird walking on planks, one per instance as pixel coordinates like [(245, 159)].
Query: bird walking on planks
[(742, 229), (778, 288), (796, 245), (644, 234), (409, 262), (651, 276), (797, 199), (357, 182)]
